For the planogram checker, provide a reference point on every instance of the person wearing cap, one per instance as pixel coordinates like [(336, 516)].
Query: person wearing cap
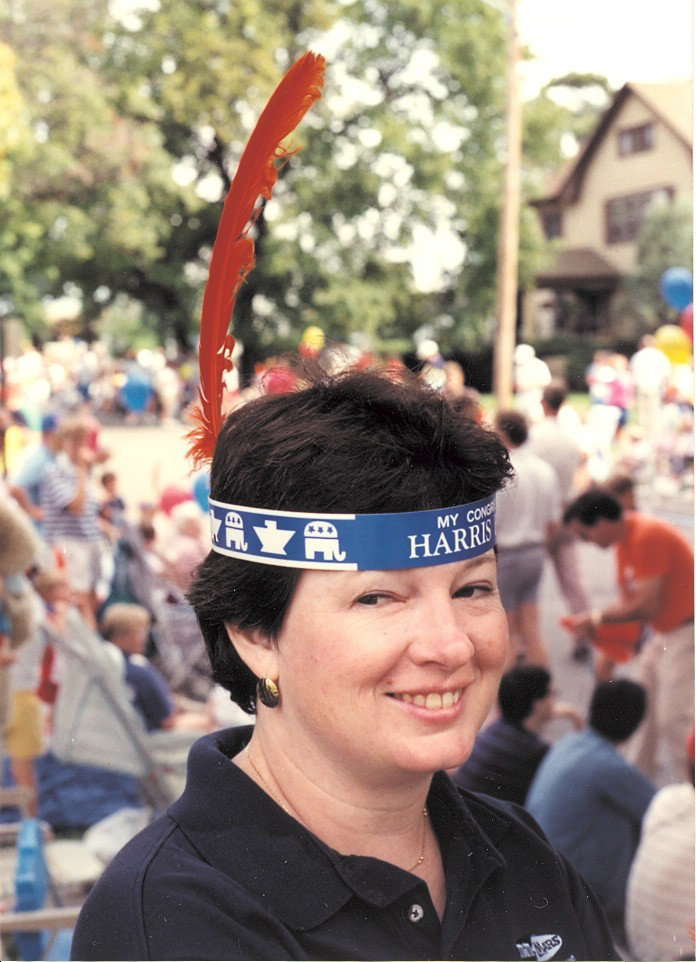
[(25, 484), (655, 568), (350, 601)]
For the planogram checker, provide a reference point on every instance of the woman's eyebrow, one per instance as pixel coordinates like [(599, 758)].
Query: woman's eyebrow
[(478, 562)]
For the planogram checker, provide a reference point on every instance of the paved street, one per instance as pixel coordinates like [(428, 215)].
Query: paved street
[(147, 458)]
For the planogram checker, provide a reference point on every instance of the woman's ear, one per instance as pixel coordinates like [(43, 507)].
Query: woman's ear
[(258, 652)]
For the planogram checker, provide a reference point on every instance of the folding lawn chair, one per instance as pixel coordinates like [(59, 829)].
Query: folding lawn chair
[(95, 723)]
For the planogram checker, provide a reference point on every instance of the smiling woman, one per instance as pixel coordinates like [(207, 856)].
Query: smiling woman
[(330, 830)]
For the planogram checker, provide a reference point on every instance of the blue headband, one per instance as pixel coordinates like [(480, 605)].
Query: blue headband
[(354, 542)]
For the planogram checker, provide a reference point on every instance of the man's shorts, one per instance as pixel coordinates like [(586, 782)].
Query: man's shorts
[(23, 733), (519, 575)]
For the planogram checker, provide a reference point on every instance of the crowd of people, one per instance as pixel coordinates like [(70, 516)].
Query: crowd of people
[(603, 793)]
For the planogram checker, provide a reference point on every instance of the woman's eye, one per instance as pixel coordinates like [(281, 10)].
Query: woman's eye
[(473, 591), (371, 598)]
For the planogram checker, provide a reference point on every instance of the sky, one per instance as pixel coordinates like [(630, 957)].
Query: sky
[(625, 40)]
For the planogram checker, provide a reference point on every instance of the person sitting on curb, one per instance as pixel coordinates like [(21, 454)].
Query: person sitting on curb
[(590, 801), (127, 627), (508, 752)]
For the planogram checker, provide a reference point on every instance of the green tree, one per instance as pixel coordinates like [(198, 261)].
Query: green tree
[(557, 121), (94, 189), (665, 240), (385, 224)]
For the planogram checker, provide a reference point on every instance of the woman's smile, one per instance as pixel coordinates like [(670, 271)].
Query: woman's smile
[(395, 669), (430, 699)]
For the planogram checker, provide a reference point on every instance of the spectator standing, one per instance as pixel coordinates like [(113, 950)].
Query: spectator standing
[(650, 369), (656, 579), (31, 684), (70, 509), (507, 752), (553, 444), (590, 801), (528, 516), (19, 549), (113, 507), (531, 376), (660, 894), (433, 365), (187, 546), (168, 386), (621, 389), (25, 485), (455, 381)]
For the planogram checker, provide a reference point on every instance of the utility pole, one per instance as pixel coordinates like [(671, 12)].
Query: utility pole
[(509, 228)]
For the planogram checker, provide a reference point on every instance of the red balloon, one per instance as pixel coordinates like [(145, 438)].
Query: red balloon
[(686, 321)]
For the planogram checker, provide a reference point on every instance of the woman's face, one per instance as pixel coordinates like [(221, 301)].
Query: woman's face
[(392, 671)]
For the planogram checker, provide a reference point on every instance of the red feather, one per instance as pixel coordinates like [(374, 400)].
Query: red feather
[(233, 252)]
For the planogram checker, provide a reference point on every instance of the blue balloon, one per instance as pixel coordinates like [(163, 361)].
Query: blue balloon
[(677, 287), (201, 490)]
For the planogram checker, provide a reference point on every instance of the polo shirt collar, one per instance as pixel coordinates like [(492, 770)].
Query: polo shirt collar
[(238, 829)]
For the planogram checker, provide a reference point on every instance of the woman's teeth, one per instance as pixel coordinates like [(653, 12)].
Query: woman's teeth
[(433, 699)]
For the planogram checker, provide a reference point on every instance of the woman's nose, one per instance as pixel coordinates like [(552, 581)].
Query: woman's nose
[(440, 635)]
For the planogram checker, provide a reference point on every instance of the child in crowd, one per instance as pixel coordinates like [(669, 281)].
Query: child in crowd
[(113, 506), (127, 626)]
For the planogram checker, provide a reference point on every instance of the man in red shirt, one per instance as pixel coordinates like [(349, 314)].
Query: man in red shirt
[(655, 566)]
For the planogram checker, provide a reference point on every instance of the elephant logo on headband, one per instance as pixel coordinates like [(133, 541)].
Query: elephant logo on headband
[(234, 531), (321, 538)]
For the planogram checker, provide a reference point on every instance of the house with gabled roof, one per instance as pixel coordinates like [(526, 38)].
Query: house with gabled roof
[(639, 152)]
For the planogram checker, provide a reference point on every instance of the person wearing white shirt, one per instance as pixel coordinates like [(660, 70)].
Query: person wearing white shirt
[(528, 516), (550, 441)]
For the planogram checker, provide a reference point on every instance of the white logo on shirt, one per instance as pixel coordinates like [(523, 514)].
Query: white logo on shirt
[(539, 947)]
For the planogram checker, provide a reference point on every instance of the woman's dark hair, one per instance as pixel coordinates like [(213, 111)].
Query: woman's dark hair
[(359, 442), (520, 688)]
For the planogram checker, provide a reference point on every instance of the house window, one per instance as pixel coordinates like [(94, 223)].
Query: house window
[(634, 139), (552, 222), (624, 216)]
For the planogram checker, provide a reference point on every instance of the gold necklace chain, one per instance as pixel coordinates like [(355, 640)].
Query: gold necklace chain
[(287, 811), (422, 851), (266, 785)]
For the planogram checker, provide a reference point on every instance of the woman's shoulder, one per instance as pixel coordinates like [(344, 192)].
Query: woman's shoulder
[(111, 924), (152, 898), (149, 897)]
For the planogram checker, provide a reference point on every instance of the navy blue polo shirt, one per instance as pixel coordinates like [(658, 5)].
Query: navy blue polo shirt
[(227, 874)]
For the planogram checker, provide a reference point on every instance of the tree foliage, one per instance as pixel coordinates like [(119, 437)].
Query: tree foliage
[(385, 224), (665, 240)]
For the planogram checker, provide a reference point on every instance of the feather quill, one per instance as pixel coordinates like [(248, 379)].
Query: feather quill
[(233, 251)]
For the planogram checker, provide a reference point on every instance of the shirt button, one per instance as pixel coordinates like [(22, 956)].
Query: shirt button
[(415, 913)]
